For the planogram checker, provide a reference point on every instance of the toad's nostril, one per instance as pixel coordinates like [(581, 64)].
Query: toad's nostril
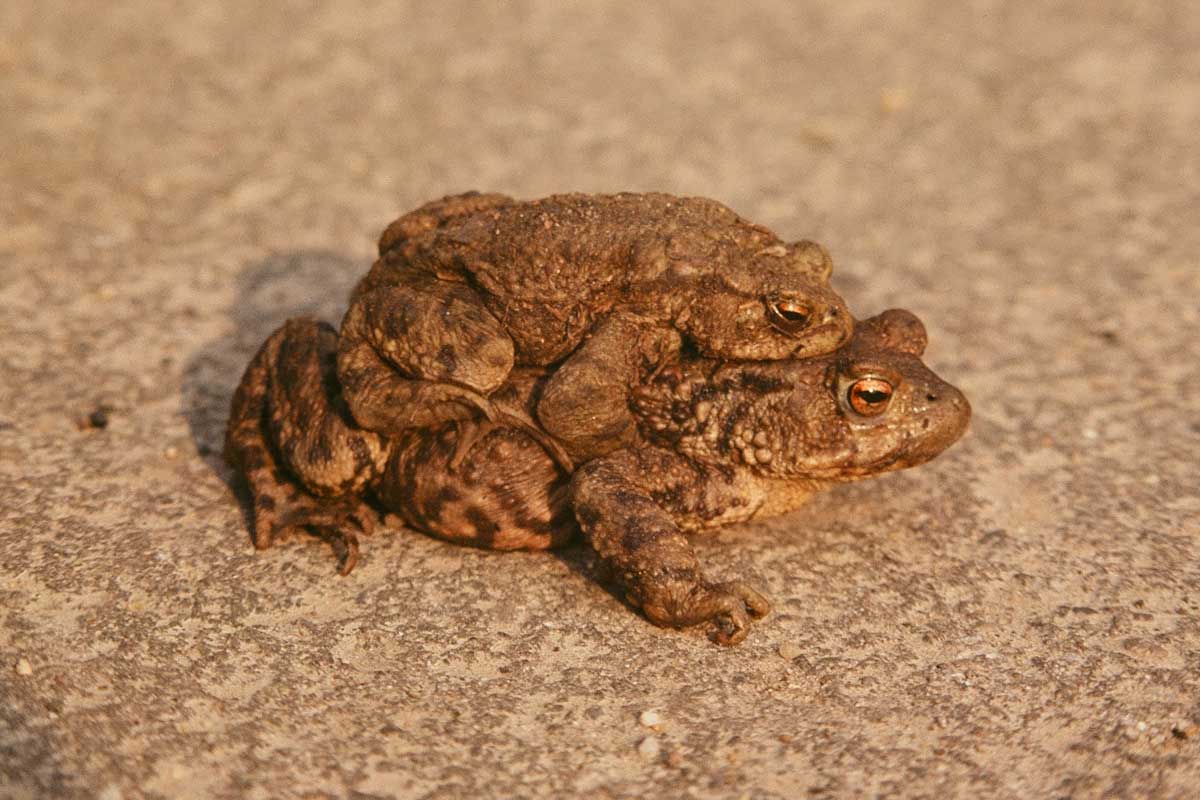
[(931, 397)]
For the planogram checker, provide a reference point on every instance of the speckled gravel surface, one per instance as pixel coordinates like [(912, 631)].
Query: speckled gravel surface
[(1016, 619)]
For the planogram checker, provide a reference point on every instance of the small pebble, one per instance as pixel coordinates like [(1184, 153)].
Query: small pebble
[(23, 667), (675, 759), (789, 651), (648, 748), (650, 718), (94, 420), (171, 453)]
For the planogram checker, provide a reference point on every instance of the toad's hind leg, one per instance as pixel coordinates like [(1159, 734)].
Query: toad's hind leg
[(290, 437), (505, 492), (419, 353)]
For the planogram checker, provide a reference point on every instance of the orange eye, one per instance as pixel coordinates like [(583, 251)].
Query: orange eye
[(788, 316), (870, 396)]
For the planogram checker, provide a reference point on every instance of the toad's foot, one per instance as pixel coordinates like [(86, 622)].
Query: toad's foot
[(336, 521), (730, 607)]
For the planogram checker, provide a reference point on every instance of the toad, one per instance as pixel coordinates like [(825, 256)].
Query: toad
[(717, 443), (467, 286)]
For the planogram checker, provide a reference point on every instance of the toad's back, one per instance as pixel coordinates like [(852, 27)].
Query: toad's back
[(547, 268)]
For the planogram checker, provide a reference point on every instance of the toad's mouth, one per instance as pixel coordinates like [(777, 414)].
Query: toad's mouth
[(910, 451), (821, 338), (843, 470), (850, 472)]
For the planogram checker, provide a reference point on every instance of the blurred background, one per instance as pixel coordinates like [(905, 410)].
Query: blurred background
[(1015, 619)]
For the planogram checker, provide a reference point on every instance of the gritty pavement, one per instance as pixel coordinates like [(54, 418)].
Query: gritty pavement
[(1016, 619)]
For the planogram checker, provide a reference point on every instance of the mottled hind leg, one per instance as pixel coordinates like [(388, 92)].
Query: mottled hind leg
[(291, 439), (506, 492)]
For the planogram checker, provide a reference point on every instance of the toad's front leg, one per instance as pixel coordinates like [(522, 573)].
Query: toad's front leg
[(640, 540), (585, 402)]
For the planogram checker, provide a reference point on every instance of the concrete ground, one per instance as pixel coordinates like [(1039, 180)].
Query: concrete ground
[(1016, 619)]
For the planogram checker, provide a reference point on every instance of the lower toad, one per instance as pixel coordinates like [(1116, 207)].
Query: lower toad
[(718, 443)]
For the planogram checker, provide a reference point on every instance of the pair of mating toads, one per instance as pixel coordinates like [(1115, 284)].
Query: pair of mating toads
[(634, 366)]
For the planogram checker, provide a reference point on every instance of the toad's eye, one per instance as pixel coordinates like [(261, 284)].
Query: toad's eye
[(788, 316), (870, 396)]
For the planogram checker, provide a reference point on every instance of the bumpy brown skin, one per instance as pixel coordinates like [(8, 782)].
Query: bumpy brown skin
[(470, 285), (718, 443)]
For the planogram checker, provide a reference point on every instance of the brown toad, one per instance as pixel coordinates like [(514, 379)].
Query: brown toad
[(719, 442), (467, 286)]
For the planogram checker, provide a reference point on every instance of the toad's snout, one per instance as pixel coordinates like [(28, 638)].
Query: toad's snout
[(828, 329), (945, 413), (837, 318)]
